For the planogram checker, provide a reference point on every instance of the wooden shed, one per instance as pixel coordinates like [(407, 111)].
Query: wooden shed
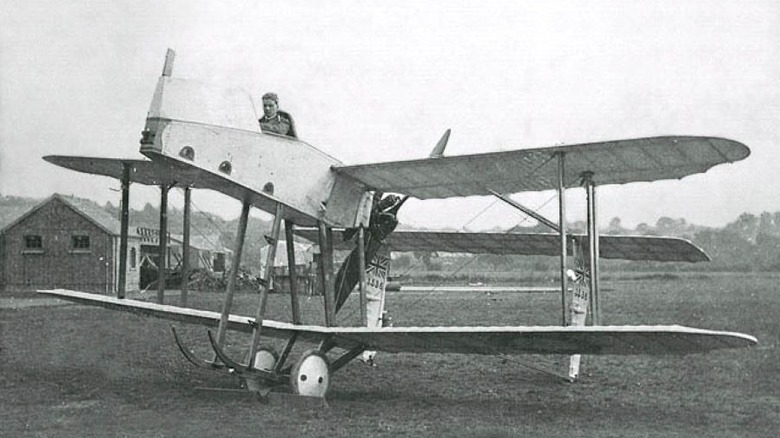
[(65, 242)]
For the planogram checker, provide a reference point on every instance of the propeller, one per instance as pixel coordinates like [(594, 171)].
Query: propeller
[(383, 221)]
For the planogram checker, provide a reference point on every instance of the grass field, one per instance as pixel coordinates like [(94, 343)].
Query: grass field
[(68, 370)]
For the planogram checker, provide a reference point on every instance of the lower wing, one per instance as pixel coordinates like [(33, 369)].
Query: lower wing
[(465, 340)]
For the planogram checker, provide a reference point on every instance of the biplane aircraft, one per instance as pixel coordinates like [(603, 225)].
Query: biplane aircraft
[(200, 136)]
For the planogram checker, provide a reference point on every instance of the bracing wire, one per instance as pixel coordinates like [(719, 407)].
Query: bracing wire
[(471, 260), (468, 262)]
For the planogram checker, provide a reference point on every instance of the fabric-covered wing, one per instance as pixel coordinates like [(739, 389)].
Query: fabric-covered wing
[(662, 249), (142, 171), (169, 173), (465, 340), (652, 248), (655, 340), (613, 162), (186, 315)]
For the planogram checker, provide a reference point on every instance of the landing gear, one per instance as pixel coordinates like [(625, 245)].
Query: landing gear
[(311, 374)]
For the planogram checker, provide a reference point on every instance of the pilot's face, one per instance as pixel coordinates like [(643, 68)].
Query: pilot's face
[(269, 108)]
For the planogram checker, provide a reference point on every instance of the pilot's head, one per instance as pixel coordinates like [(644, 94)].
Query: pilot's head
[(270, 104)]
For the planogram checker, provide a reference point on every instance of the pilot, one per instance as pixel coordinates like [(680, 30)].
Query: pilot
[(274, 120)]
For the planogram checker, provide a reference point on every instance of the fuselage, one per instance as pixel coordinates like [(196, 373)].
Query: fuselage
[(212, 138)]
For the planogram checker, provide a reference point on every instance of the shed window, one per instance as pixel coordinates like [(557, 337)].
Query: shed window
[(33, 241), (80, 242), (133, 256)]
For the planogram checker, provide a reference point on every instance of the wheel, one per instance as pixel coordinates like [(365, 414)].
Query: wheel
[(265, 358), (311, 374)]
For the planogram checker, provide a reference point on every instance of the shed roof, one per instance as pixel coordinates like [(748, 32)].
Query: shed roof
[(206, 243), (86, 208), (94, 213), (11, 214)]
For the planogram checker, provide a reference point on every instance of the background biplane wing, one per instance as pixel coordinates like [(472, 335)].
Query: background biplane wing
[(657, 339), (651, 248), (612, 162)]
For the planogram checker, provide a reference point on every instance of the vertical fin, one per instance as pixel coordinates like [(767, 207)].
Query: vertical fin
[(170, 56), (438, 150)]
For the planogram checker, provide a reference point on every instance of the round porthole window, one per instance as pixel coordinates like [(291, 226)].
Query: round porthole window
[(226, 167), (187, 152)]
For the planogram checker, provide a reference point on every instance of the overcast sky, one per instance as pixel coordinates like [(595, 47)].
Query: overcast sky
[(379, 81)]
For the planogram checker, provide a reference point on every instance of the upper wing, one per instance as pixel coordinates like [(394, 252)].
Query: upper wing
[(652, 248), (613, 162), (465, 340), (169, 173), (142, 171)]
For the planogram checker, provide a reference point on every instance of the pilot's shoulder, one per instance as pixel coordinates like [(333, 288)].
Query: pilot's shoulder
[(285, 116)]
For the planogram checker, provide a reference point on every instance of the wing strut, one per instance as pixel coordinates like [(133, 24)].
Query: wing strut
[(555, 227), (552, 225), (163, 243), (288, 238), (326, 272), (438, 152), (273, 241), (593, 240), (186, 267), (231, 286), (124, 220), (562, 230)]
